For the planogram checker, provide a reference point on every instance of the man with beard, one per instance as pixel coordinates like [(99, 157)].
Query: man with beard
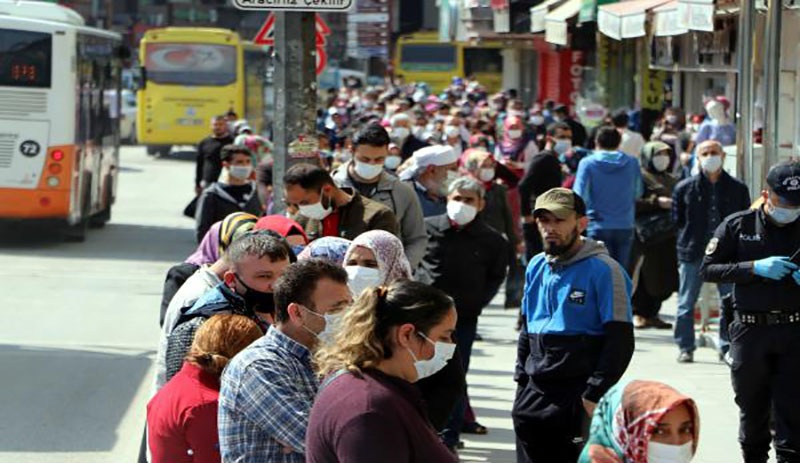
[(577, 335)]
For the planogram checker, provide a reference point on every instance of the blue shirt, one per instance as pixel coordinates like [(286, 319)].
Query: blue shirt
[(609, 183), (265, 400)]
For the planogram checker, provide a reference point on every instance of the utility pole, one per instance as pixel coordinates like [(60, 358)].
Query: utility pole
[(295, 80), (745, 163), (772, 74)]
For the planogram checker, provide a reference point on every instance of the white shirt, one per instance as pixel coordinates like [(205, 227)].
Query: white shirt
[(632, 143)]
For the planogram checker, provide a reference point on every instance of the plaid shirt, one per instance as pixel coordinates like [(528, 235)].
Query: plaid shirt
[(265, 400)]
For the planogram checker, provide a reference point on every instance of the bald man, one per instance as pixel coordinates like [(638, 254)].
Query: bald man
[(699, 204)]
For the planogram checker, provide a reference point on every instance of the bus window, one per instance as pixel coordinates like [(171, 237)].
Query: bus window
[(191, 64), (482, 60), (25, 58), (428, 57)]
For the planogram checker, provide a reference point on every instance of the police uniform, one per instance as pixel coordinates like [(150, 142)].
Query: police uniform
[(765, 332)]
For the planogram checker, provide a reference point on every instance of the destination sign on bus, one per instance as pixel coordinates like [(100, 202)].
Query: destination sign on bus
[(330, 6)]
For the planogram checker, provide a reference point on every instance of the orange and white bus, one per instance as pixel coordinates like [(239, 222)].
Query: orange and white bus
[(59, 126)]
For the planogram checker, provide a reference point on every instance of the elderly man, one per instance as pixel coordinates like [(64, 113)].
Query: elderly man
[(401, 135), (366, 174), (327, 210), (267, 390), (699, 205), (429, 171), (467, 259)]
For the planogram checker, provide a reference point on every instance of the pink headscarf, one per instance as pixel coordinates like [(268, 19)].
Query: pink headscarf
[(388, 249), (508, 146)]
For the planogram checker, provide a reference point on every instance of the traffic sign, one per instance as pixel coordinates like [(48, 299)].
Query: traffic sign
[(265, 37), (330, 6)]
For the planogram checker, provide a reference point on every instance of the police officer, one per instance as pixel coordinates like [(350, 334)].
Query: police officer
[(751, 249)]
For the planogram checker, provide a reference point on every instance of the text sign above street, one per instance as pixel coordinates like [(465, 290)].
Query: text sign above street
[(331, 6)]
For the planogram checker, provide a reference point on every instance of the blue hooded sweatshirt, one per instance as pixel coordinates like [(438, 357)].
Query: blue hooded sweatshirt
[(609, 183)]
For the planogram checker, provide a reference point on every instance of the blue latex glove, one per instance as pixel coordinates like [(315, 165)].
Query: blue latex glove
[(796, 276), (774, 268)]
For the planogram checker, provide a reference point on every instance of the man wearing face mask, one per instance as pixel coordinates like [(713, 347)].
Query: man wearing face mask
[(561, 114), (400, 134), (238, 194), (576, 339), (366, 174), (542, 173), (327, 210), (429, 172), (254, 262), (699, 204), (209, 161), (268, 389), (752, 250), (467, 259)]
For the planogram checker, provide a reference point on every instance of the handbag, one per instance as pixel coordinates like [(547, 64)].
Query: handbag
[(654, 228)]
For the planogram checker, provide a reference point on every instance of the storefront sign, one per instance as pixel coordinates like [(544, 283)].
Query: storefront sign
[(560, 77)]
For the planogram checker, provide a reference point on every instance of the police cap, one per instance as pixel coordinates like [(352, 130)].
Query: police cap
[(784, 179)]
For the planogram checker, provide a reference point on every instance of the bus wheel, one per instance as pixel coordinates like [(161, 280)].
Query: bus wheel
[(152, 150), (163, 151)]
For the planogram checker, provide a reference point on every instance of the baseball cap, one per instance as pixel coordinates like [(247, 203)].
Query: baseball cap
[(561, 202), (784, 179)]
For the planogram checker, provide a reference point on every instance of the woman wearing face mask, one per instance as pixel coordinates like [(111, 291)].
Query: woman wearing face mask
[(368, 409), (653, 255), (670, 129), (643, 422)]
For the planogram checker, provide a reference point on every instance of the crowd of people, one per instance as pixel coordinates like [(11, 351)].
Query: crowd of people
[(342, 329)]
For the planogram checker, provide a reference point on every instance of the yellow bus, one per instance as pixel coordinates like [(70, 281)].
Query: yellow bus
[(421, 57), (190, 75)]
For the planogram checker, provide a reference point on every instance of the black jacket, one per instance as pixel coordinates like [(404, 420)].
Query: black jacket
[(411, 144), (741, 239), (215, 204), (467, 263), (690, 205), (209, 160), (542, 173)]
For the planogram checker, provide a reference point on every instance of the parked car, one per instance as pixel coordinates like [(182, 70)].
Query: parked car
[(127, 119)]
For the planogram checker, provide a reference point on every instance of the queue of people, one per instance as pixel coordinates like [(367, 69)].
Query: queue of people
[(366, 297)]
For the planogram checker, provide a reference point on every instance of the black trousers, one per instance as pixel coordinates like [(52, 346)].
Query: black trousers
[(551, 426), (766, 371)]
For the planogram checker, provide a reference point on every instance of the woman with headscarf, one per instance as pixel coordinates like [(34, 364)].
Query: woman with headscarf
[(331, 248), (654, 262), (643, 422)]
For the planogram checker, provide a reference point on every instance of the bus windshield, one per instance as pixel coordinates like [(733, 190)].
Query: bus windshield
[(25, 58), (190, 64), (428, 57)]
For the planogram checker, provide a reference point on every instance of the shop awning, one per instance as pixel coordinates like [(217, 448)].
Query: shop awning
[(556, 26), (625, 20), (665, 20), (539, 12), (696, 15)]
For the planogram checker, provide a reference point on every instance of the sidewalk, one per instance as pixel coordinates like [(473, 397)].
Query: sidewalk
[(492, 387)]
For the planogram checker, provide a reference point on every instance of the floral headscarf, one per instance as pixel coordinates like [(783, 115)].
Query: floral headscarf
[(388, 249), (220, 235), (330, 248), (509, 147), (628, 414)]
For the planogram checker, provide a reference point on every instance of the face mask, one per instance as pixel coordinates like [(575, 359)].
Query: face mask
[(332, 322), (257, 301), (711, 164), (514, 134), (537, 120), (486, 175), (361, 278), (315, 211), (368, 171), (442, 353), (660, 163), (420, 132), (664, 453), (392, 162), (516, 112), (673, 120), (298, 248), (240, 172), (461, 213), (783, 215), (451, 131), (562, 146), (400, 133)]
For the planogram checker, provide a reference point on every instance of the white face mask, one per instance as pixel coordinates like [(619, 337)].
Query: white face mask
[(514, 134), (661, 162), (420, 132), (240, 172), (461, 213), (664, 453), (451, 131), (486, 174), (711, 164), (361, 278), (332, 322), (782, 215), (537, 120), (400, 133), (315, 211), (367, 171), (672, 119), (562, 146), (442, 353), (392, 162)]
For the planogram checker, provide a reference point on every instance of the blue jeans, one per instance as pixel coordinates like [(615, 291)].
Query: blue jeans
[(690, 283), (618, 242)]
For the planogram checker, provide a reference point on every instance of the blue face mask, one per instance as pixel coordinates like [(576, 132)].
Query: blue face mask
[(783, 215), (298, 248)]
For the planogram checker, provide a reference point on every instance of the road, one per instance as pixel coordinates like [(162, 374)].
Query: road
[(79, 329)]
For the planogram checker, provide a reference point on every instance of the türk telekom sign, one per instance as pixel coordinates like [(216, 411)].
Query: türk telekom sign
[(330, 6)]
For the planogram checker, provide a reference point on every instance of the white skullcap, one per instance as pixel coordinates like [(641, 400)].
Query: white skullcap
[(399, 117), (436, 155)]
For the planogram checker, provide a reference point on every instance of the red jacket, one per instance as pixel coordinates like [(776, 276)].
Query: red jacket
[(182, 418)]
